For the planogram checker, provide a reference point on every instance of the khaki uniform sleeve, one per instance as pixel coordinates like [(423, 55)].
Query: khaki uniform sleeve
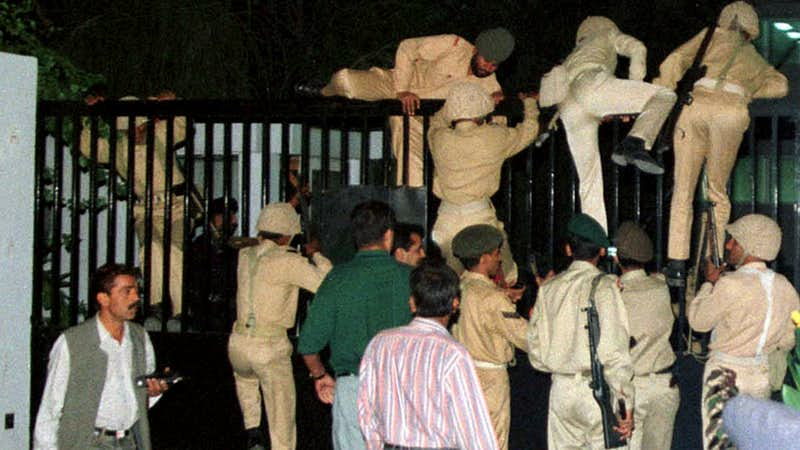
[(773, 84), (676, 64), (709, 306), (508, 323), (634, 49), (437, 124), (299, 272), (613, 348), (536, 326), (426, 48), (522, 135)]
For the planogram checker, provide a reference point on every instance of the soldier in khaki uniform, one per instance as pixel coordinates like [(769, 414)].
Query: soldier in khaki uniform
[(468, 154), (176, 188), (425, 68), (594, 92), (710, 129), (489, 326), (748, 310), (650, 318), (270, 275), (558, 342)]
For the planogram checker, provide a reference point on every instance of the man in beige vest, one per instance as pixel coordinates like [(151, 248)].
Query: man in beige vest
[(270, 275), (558, 341), (710, 129), (650, 319), (468, 154), (489, 326), (177, 188), (425, 68), (748, 310), (594, 92)]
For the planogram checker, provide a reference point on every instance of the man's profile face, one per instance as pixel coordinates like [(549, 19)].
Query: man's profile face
[(735, 251), (122, 302), (415, 251), (495, 261), (233, 223), (482, 68)]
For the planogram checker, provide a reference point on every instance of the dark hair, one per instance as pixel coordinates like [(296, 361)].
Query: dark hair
[(369, 221), (402, 235), (103, 278), (434, 285), (469, 261), (96, 90), (630, 263), (217, 206), (583, 249)]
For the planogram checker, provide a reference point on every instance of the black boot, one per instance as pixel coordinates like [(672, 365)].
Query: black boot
[(631, 151), (255, 439), (675, 271)]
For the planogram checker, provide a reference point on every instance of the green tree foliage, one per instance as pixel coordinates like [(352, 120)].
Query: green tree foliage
[(23, 32)]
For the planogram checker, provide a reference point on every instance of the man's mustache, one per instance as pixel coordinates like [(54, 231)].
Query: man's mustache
[(135, 304)]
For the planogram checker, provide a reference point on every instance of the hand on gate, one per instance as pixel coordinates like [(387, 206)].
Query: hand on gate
[(410, 102)]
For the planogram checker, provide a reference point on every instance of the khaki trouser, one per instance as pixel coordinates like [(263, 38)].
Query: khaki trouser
[(265, 363), (157, 249), (751, 379), (497, 392), (452, 218), (573, 417), (710, 129), (654, 412), (594, 95), (378, 84)]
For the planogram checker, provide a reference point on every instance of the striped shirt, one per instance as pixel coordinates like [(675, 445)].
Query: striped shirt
[(418, 388)]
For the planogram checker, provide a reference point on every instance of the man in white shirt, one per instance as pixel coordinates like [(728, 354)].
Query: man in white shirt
[(95, 403)]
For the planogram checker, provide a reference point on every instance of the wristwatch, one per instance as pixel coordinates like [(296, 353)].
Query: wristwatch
[(318, 377)]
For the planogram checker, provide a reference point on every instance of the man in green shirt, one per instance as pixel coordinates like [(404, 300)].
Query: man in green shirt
[(356, 300)]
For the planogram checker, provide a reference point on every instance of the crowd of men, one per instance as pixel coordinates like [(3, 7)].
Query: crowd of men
[(419, 346)]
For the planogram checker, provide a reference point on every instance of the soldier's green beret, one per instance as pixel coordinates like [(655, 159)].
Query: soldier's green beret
[(495, 44), (583, 225), (476, 240)]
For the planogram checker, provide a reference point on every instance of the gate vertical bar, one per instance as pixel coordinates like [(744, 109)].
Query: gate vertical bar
[(75, 223)]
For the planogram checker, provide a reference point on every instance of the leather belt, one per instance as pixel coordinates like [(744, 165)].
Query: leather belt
[(116, 434)]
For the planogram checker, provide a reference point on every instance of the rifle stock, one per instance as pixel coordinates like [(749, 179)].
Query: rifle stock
[(600, 389)]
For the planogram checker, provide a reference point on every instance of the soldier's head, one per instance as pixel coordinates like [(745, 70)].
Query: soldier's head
[(586, 239), (95, 93), (467, 102), (408, 247), (278, 222), (740, 16), (754, 237), (596, 25), (435, 290), (372, 223), (478, 249), (634, 247), (116, 291), (216, 212), (492, 47)]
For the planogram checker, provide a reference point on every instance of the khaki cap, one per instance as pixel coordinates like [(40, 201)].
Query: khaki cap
[(742, 15), (632, 242), (279, 218), (476, 240), (467, 101), (759, 235)]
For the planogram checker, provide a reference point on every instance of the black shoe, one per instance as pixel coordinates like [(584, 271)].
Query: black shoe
[(255, 439), (631, 151), (675, 271), (307, 90)]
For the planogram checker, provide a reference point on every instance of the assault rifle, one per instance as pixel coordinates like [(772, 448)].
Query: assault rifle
[(684, 90), (600, 389)]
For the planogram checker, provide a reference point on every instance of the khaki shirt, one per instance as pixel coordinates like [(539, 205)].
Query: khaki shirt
[(599, 52), (558, 341), (140, 154), (735, 308), (467, 161), (429, 66), (489, 326), (269, 278), (650, 319), (749, 70)]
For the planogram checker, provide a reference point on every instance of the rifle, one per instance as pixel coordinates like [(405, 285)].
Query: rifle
[(600, 389), (684, 90)]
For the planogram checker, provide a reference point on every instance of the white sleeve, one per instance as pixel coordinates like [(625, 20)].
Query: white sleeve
[(150, 365), (45, 435)]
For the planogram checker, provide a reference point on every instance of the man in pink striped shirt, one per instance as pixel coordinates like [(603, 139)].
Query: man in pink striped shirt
[(417, 385)]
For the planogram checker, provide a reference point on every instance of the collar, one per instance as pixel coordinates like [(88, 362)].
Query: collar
[(583, 266), (755, 265), (428, 324), (105, 336), (633, 275), (371, 253), (467, 275)]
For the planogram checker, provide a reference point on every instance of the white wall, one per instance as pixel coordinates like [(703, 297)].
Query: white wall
[(17, 130)]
